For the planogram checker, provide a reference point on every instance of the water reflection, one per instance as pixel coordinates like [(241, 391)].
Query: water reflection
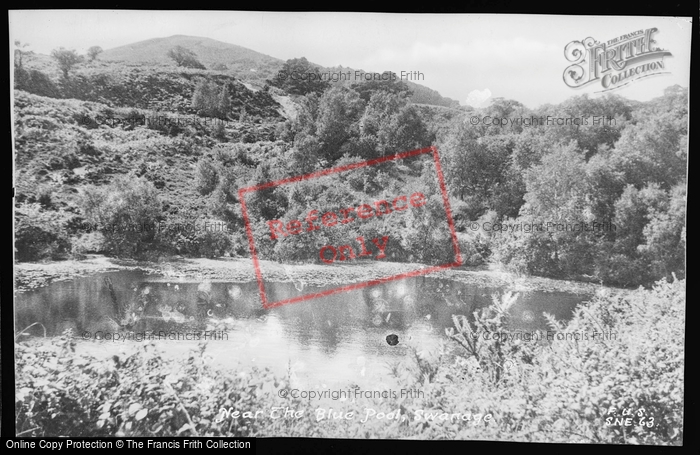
[(336, 337)]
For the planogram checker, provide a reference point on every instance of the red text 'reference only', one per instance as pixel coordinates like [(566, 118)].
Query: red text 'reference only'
[(330, 219)]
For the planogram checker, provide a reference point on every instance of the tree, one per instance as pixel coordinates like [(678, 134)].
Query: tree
[(224, 102), (591, 122), (205, 98), (66, 59), (35, 82), (557, 200), (305, 121), (388, 84), (127, 212), (393, 123), (339, 112), (210, 100), (20, 53), (426, 236), (185, 58), (306, 153), (93, 52), (655, 149), (299, 77), (269, 203), (39, 233), (206, 177), (665, 235)]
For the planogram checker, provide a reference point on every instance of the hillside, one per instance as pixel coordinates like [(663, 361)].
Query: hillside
[(421, 93), (60, 147), (243, 63), (155, 87), (208, 50)]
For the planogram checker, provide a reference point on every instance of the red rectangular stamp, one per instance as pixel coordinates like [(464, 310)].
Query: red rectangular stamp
[(345, 214)]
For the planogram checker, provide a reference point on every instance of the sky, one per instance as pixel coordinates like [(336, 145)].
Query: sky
[(519, 57)]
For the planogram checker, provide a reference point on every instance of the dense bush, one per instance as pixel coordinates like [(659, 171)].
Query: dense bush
[(34, 81), (206, 178), (211, 101), (185, 58), (89, 242), (40, 234), (125, 212), (299, 77), (571, 391), (190, 236)]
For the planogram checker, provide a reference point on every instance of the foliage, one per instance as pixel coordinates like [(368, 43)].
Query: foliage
[(206, 177), (388, 84), (20, 53), (426, 236), (601, 122), (211, 101), (339, 111), (629, 355), (185, 58), (125, 211), (299, 77), (393, 123), (66, 59), (34, 81), (207, 238), (93, 52), (39, 233), (89, 242)]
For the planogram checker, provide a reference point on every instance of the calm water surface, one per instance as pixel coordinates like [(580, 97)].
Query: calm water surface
[(331, 341)]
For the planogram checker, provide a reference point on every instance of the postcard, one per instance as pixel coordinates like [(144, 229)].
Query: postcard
[(232, 226)]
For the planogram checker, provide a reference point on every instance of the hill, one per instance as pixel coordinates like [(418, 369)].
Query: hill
[(246, 64)]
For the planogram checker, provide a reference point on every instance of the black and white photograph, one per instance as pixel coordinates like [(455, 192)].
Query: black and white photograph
[(346, 225)]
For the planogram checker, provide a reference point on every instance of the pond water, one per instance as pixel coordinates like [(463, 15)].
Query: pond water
[(331, 341)]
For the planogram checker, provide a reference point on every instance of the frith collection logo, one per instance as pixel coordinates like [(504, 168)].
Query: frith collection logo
[(614, 63)]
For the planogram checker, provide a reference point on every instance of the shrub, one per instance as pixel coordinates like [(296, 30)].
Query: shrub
[(474, 249), (125, 211), (213, 243), (426, 237), (185, 58), (36, 82), (66, 59), (628, 355), (89, 242), (163, 124), (44, 198), (39, 234), (219, 132), (206, 177)]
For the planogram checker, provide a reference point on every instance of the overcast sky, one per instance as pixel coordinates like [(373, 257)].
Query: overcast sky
[(519, 57)]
